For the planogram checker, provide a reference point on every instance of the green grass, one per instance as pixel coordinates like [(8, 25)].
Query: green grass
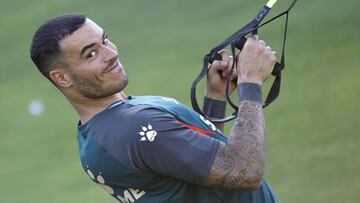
[(313, 128)]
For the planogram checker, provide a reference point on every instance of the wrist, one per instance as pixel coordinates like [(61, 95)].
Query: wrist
[(215, 95), (249, 91), (214, 108), (258, 81)]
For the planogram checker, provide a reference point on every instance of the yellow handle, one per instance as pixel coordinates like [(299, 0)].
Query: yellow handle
[(270, 3)]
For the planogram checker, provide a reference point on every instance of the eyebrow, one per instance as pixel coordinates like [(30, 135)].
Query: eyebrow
[(85, 48)]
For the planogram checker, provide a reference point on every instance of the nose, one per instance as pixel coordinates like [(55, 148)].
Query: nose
[(109, 53)]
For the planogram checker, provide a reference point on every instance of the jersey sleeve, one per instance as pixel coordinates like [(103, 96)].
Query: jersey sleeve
[(159, 143)]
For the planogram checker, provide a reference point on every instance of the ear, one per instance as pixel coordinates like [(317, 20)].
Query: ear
[(60, 77)]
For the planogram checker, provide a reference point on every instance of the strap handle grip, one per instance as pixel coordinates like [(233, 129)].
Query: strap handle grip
[(240, 45)]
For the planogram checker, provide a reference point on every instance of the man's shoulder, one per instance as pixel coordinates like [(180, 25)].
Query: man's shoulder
[(152, 100), (132, 108), (140, 108), (127, 119)]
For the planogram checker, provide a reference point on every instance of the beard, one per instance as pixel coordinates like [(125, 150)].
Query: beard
[(93, 88)]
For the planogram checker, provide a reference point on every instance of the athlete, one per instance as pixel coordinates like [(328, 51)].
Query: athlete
[(151, 149)]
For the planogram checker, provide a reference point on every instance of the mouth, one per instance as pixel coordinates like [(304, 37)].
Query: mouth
[(112, 67)]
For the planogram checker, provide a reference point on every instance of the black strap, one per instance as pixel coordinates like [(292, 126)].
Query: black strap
[(195, 82), (228, 81), (240, 34), (275, 88), (238, 40)]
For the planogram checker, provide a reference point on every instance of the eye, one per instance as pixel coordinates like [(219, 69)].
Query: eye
[(105, 41), (91, 54)]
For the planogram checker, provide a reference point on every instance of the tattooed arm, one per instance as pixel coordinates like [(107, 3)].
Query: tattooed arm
[(239, 164)]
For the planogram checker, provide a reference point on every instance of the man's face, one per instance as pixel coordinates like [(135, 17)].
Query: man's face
[(92, 62)]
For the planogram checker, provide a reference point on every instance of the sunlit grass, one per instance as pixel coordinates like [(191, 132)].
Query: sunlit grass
[(313, 127)]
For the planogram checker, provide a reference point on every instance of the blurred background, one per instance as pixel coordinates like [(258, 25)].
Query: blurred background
[(313, 127)]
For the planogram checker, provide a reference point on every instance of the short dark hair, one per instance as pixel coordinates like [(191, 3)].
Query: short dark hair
[(45, 47)]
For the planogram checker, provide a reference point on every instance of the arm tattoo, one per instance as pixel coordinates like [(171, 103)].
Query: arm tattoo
[(239, 164)]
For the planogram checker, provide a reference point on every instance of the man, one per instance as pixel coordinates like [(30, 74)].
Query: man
[(155, 149)]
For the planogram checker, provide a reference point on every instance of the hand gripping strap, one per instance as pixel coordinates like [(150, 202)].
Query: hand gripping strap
[(238, 40)]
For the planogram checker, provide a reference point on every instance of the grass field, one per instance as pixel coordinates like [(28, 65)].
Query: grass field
[(313, 146)]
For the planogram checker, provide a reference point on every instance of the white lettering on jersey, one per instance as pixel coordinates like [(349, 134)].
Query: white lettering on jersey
[(130, 195), (147, 133), (209, 123), (137, 193), (127, 197)]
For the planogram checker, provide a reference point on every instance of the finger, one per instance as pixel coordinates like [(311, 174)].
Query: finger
[(229, 66), (233, 75), (251, 42), (268, 48), (224, 55), (254, 37), (226, 62), (262, 42), (223, 51), (218, 65), (275, 54), (224, 59)]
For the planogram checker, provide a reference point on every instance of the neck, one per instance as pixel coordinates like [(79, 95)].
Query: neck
[(87, 108)]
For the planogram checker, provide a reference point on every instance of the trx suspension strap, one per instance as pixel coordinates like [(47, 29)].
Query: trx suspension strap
[(237, 40)]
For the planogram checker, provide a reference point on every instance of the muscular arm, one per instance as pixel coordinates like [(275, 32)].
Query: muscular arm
[(239, 164)]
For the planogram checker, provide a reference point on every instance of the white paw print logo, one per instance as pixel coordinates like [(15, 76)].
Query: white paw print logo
[(147, 133), (100, 181)]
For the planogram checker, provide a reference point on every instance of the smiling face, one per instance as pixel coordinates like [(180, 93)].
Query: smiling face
[(93, 69)]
